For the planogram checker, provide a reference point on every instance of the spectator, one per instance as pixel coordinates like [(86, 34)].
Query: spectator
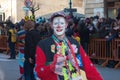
[(21, 43), (31, 40), (12, 40), (84, 35), (118, 16), (70, 31)]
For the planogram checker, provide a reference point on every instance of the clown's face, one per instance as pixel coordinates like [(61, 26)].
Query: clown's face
[(59, 25)]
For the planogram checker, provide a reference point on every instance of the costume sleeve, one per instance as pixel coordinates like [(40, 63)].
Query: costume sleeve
[(44, 72), (91, 71)]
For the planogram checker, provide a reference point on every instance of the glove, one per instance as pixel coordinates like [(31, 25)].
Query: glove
[(57, 64)]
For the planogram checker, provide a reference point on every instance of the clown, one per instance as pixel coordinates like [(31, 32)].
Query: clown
[(62, 58)]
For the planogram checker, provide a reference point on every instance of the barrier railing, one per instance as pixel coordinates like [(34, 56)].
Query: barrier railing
[(4, 44), (97, 49), (106, 50)]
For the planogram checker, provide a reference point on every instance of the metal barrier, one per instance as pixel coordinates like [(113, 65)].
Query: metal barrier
[(97, 49), (105, 50), (3, 43)]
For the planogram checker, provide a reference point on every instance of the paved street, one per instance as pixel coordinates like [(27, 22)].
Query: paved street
[(9, 70)]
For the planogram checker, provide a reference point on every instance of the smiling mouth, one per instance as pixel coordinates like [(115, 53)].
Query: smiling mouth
[(59, 30)]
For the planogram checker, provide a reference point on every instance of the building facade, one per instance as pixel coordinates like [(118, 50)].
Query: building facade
[(102, 8), (111, 8), (16, 8), (94, 7)]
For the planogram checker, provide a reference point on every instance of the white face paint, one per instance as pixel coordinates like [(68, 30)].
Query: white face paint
[(59, 25)]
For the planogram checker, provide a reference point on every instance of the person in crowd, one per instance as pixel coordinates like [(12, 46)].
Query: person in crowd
[(95, 21), (118, 16), (12, 38), (31, 39), (77, 37), (21, 43), (84, 35), (62, 58), (69, 30), (2, 29)]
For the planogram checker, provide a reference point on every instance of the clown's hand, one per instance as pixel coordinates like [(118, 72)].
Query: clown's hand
[(57, 64)]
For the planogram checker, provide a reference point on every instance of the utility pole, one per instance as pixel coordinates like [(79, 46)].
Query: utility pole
[(70, 6), (70, 9)]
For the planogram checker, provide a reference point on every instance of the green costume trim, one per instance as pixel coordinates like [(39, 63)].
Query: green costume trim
[(47, 63)]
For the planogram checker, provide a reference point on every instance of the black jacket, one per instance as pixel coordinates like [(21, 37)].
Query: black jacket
[(31, 40)]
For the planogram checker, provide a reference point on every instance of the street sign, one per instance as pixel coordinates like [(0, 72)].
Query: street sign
[(70, 10), (28, 3)]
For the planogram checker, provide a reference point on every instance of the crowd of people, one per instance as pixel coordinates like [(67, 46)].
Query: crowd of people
[(50, 48)]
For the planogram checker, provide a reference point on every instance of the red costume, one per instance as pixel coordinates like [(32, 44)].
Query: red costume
[(44, 57)]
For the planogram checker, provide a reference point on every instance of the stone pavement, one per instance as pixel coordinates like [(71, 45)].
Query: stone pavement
[(9, 70)]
